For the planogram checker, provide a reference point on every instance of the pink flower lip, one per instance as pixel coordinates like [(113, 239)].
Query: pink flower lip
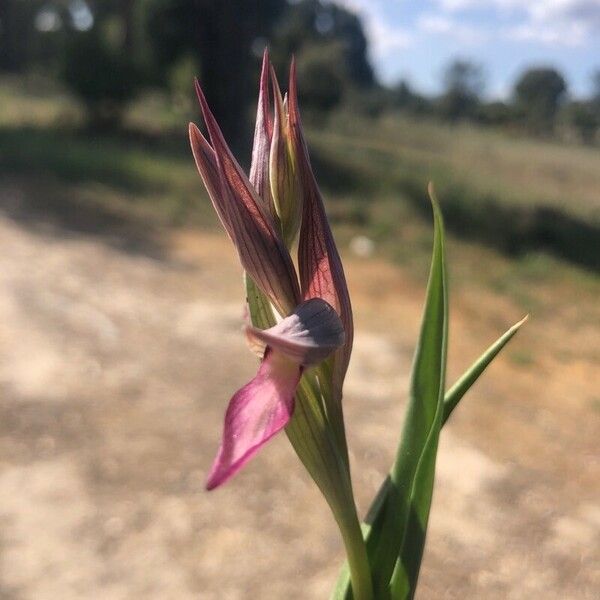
[(265, 405)]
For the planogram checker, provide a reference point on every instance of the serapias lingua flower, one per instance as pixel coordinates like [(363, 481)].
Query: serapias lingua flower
[(262, 215)]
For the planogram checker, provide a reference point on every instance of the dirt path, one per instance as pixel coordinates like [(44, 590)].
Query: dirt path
[(115, 366)]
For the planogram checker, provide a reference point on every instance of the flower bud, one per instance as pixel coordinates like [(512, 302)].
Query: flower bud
[(286, 189)]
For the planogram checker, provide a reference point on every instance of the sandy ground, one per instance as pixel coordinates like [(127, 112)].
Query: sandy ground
[(117, 358)]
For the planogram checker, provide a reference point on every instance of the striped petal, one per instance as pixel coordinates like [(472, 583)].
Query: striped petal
[(308, 336), (320, 266), (255, 414), (206, 163), (262, 252)]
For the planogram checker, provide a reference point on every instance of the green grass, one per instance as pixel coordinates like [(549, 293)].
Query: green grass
[(80, 157), (522, 172), (145, 170), (517, 195)]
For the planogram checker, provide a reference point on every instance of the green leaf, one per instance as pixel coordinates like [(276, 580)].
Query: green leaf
[(464, 383), (412, 475), (398, 518), (406, 569), (404, 579), (451, 399)]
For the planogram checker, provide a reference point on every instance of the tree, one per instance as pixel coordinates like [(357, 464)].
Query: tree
[(318, 69), (225, 38), (464, 84), (17, 32), (596, 86), (538, 95), (103, 77), (99, 63), (496, 113), (595, 99), (403, 97), (325, 25)]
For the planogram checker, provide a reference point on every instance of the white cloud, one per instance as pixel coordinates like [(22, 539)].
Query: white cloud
[(386, 38), (572, 35), (539, 8), (457, 5), (567, 10), (563, 22), (443, 25)]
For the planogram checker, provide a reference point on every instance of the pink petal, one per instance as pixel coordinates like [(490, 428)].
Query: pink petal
[(308, 336), (255, 414), (259, 167), (320, 266), (262, 253)]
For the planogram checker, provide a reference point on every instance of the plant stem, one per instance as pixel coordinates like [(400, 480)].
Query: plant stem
[(356, 552)]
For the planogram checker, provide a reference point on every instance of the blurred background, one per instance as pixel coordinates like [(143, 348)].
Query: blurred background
[(121, 299)]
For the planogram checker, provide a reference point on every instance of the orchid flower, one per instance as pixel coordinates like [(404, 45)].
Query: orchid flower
[(301, 321), (262, 214)]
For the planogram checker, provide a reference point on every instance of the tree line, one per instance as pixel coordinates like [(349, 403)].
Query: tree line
[(108, 51), (538, 103)]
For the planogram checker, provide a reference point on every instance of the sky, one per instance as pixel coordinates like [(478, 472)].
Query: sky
[(415, 39)]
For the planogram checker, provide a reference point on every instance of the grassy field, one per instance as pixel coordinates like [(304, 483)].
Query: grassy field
[(514, 194), (486, 162)]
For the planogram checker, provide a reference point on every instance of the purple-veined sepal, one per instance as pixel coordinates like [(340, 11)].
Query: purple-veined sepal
[(261, 250), (320, 266)]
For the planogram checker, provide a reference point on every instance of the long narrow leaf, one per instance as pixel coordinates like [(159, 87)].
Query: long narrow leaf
[(428, 386), (405, 576), (374, 522), (404, 579), (451, 400), (464, 383), (415, 460)]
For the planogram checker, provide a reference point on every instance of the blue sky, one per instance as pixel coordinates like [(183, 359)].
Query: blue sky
[(414, 39)]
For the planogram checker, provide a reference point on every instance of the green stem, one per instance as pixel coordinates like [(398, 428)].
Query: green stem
[(358, 561), (318, 437), (316, 446)]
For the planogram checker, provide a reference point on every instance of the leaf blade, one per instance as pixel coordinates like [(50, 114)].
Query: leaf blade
[(430, 375), (374, 521), (422, 424), (472, 374)]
